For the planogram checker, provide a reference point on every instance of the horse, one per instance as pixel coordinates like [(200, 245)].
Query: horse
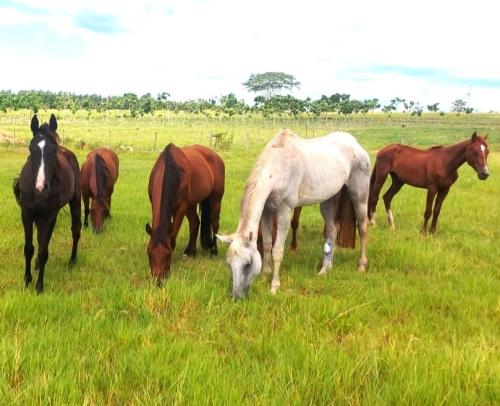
[(294, 224), (434, 169), (99, 174), (292, 172), (49, 180), (181, 179)]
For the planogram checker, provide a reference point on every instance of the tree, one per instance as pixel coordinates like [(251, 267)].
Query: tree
[(458, 106), (433, 108), (270, 83)]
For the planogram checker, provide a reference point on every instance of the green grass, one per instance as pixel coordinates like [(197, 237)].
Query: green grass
[(421, 326)]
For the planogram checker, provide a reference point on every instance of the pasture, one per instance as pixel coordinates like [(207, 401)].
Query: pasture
[(421, 326)]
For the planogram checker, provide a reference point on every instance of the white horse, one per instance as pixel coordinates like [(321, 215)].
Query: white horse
[(290, 172)]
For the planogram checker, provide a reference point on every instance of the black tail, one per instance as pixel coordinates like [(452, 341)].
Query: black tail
[(17, 190), (371, 209), (206, 234)]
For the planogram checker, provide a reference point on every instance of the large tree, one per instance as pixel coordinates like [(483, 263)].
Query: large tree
[(270, 83)]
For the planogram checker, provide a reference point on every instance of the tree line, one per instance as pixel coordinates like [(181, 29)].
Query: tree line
[(268, 101)]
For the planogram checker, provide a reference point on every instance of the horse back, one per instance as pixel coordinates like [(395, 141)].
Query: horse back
[(202, 172), (411, 165)]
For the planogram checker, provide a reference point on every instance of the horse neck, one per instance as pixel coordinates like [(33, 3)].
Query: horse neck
[(455, 155), (257, 191)]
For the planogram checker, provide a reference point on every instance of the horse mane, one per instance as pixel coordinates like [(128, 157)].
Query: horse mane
[(171, 180), (278, 141), (101, 174), (52, 135)]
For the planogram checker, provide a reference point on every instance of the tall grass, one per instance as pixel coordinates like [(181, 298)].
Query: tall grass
[(421, 326)]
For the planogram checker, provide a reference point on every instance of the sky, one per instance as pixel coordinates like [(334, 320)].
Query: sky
[(425, 51)]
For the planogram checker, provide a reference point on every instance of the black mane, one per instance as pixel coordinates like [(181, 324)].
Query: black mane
[(102, 173), (171, 181)]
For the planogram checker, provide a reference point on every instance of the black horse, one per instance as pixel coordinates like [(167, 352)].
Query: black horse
[(49, 179)]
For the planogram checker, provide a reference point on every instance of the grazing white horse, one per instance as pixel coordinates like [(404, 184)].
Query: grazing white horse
[(290, 172)]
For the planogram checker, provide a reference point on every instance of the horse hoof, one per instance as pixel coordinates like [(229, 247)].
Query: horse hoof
[(362, 268), (39, 289), (274, 289), (323, 271)]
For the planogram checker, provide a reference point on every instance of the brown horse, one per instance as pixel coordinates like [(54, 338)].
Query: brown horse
[(98, 177), (434, 169), (180, 179), (49, 180)]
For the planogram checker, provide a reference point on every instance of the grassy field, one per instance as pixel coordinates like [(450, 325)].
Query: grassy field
[(421, 326)]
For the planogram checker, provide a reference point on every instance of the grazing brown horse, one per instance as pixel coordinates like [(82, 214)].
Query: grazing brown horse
[(49, 180), (98, 177), (434, 169), (180, 179)]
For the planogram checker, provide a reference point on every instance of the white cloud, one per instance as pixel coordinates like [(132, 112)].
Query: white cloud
[(208, 48)]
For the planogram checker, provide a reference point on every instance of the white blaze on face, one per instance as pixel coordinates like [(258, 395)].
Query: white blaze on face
[(40, 178), (483, 148)]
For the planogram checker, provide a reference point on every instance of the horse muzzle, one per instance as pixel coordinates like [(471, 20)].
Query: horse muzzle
[(483, 175)]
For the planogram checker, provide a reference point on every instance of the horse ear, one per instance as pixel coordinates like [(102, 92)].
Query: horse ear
[(35, 125), (148, 229), (225, 238), (53, 123), (474, 136), (485, 136)]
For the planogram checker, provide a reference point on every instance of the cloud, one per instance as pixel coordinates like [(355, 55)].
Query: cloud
[(427, 51), (99, 23)]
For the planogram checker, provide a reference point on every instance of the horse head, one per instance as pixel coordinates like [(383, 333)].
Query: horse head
[(476, 155), (43, 150), (99, 211), (160, 252), (244, 260)]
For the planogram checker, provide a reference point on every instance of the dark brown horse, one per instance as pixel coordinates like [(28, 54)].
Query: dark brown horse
[(434, 169), (98, 177), (180, 179), (49, 180)]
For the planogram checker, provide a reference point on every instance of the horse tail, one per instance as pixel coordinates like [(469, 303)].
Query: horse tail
[(16, 188), (206, 234), (371, 209), (346, 221), (100, 175)]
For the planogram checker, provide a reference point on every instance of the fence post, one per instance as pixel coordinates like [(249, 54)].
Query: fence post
[(156, 138)]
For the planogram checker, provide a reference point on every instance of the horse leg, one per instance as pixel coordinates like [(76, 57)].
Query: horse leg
[(283, 223), (380, 177), (215, 202), (328, 209), (86, 210), (295, 226), (45, 227), (29, 249), (359, 199), (431, 193), (395, 187), (76, 226), (194, 225), (176, 224), (267, 240), (437, 208)]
